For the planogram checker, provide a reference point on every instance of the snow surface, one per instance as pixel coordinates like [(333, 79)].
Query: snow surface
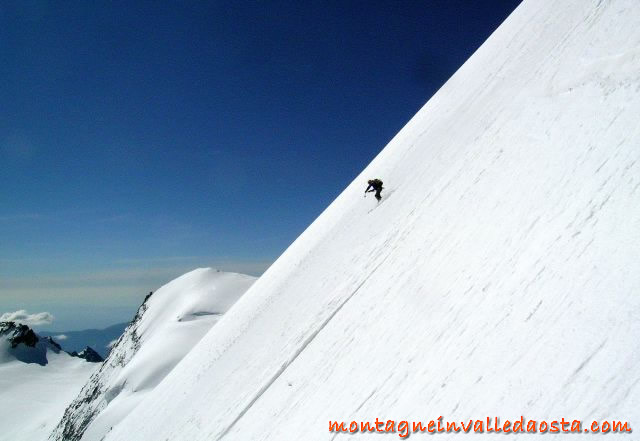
[(33, 395), (500, 278), (167, 326)]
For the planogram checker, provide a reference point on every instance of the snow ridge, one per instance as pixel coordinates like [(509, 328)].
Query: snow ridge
[(166, 326), (96, 393)]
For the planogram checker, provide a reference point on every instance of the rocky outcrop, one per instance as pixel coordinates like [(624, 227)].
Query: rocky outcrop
[(17, 333), (88, 354), (54, 344), (20, 342), (91, 400)]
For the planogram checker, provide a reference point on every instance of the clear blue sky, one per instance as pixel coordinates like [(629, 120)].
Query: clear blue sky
[(139, 140)]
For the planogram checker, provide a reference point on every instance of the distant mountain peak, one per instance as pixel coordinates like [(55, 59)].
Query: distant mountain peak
[(23, 344), (18, 333), (88, 354), (53, 343), (33, 398)]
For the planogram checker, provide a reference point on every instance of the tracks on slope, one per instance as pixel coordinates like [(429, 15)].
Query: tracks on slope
[(302, 347)]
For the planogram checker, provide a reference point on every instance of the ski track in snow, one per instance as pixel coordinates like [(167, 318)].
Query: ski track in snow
[(296, 354)]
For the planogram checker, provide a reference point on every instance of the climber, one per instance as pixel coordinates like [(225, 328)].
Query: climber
[(374, 185)]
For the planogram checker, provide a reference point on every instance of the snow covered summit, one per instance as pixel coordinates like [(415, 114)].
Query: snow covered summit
[(19, 342), (167, 325), (499, 277), (37, 381)]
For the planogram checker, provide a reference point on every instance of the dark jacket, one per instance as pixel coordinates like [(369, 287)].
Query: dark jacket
[(374, 184)]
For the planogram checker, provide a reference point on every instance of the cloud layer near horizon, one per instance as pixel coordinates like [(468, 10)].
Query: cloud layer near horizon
[(22, 316)]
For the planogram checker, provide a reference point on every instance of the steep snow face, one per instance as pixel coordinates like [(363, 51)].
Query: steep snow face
[(497, 277), (37, 382), (168, 324)]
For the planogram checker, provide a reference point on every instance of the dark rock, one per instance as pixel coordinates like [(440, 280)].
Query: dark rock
[(53, 343), (18, 333), (90, 402), (147, 297), (90, 355)]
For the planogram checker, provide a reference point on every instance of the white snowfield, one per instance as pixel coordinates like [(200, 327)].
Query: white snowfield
[(167, 326), (33, 395), (500, 275)]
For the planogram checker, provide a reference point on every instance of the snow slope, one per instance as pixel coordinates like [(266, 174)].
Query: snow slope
[(500, 278), (168, 324), (36, 385)]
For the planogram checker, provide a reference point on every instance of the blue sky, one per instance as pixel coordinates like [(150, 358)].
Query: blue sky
[(139, 140)]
